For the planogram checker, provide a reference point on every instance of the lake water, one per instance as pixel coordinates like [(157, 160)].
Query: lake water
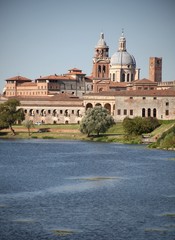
[(74, 190)]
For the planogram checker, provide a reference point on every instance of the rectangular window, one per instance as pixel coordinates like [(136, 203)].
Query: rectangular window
[(167, 103), (155, 98), (118, 112), (131, 111), (125, 112), (61, 111), (131, 97), (72, 111), (144, 98), (167, 112)]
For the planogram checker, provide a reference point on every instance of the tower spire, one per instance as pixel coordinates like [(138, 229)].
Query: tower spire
[(122, 43)]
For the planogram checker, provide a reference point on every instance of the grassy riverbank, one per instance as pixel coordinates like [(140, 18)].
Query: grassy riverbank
[(115, 133)]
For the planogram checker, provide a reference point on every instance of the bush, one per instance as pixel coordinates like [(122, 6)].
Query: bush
[(139, 125)]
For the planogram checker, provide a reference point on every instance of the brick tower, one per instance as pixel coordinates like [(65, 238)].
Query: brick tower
[(155, 69), (101, 62)]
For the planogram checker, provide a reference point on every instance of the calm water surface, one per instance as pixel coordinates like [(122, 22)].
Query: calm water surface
[(97, 191)]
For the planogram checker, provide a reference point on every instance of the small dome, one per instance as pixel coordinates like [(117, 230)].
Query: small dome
[(123, 58), (101, 41)]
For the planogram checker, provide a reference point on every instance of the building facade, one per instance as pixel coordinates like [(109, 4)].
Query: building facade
[(114, 84), (74, 82)]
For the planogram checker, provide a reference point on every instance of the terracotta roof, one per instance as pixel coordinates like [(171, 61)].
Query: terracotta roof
[(75, 69), (57, 97), (166, 92), (28, 84), (118, 84), (55, 77), (18, 78), (143, 81)]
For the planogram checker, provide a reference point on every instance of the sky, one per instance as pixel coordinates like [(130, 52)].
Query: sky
[(44, 37)]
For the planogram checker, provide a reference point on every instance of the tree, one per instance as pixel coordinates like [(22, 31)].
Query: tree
[(96, 120), (10, 114), (28, 124), (139, 125)]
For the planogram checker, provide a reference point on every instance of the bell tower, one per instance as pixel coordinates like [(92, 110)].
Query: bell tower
[(155, 69), (101, 63)]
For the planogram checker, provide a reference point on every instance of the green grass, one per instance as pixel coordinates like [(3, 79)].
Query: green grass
[(162, 128)]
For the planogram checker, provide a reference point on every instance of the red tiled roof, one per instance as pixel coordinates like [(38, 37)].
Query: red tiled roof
[(75, 69), (166, 92), (57, 97), (28, 84), (55, 77), (143, 81), (117, 84), (18, 78)]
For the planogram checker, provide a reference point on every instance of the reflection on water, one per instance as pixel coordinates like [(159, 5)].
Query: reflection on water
[(81, 190)]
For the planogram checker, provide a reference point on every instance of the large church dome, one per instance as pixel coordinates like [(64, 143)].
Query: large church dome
[(123, 58)]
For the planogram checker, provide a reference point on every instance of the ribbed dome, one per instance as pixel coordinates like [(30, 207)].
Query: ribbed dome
[(123, 58)]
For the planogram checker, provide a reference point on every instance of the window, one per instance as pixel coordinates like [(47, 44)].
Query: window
[(154, 98), (144, 98), (167, 112), (143, 112), (131, 97), (167, 103), (154, 112), (72, 111), (128, 77), (113, 77), (118, 112), (125, 112), (131, 112), (149, 112)]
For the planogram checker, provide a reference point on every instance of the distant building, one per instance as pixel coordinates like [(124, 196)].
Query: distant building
[(114, 84), (73, 82), (113, 73)]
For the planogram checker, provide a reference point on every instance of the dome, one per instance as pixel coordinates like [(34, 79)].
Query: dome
[(101, 41), (123, 58)]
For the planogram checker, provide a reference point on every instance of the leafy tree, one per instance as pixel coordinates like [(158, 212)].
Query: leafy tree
[(139, 125), (10, 113), (28, 124), (96, 120)]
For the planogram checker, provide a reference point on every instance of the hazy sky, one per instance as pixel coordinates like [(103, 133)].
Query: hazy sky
[(43, 37)]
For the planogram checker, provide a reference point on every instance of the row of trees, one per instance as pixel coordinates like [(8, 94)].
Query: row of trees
[(96, 120)]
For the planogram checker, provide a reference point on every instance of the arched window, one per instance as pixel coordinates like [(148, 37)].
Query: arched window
[(78, 113), (43, 112), (132, 77), (99, 71), (89, 105), (54, 112), (143, 112), (66, 113), (31, 112), (128, 77), (123, 77), (154, 112), (149, 112), (108, 107), (98, 104), (113, 77), (104, 71)]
